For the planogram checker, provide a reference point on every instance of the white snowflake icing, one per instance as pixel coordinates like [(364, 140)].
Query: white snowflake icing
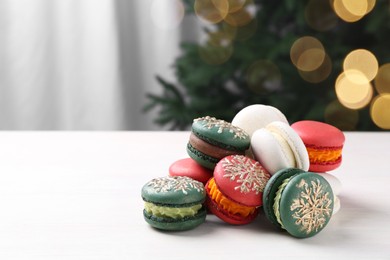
[(211, 122), (175, 183), (249, 174), (313, 206)]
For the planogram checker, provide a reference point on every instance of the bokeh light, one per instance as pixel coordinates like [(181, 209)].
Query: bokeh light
[(239, 18), (363, 61), (344, 13), (167, 14), (341, 117), (352, 10), (235, 5), (382, 79), (263, 76), (212, 11), (352, 93), (356, 7), (319, 74), (307, 53), (380, 111), (320, 16)]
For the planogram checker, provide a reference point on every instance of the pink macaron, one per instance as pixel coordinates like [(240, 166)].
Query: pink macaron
[(324, 144), (234, 194), (189, 168)]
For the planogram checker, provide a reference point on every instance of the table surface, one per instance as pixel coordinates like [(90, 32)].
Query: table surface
[(76, 195)]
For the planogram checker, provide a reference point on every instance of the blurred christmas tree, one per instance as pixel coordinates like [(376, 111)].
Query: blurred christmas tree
[(298, 56)]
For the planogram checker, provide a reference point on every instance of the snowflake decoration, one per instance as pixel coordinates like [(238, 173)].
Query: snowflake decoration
[(211, 122), (249, 174), (313, 207), (176, 183)]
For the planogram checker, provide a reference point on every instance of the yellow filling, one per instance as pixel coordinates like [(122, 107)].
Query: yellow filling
[(225, 203), (278, 196), (161, 211), (324, 155)]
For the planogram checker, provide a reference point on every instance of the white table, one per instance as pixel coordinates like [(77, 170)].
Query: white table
[(76, 195)]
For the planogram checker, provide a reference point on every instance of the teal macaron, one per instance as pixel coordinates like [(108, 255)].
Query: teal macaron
[(299, 202), (174, 203), (212, 139)]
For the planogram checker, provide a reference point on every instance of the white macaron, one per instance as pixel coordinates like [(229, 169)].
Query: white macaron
[(278, 146), (334, 182), (254, 117)]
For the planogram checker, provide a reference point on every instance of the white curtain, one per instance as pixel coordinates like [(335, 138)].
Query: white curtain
[(82, 64)]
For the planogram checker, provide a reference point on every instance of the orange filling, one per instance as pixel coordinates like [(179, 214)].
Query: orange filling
[(225, 203), (323, 155)]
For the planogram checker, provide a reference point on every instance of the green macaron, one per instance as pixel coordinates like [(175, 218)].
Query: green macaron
[(174, 203), (212, 139), (298, 201)]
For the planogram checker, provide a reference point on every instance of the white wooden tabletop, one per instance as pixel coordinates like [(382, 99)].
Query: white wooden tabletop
[(77, 195)]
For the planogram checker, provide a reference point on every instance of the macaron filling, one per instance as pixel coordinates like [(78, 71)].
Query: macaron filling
[(277, 199), (171, 212), (225, 203), (325, 155)]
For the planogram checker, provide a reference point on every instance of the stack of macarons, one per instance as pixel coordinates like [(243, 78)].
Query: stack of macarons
[(256, 161)]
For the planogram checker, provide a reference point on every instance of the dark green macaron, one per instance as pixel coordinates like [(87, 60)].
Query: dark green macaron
[(174, 203), (212, 139), (298, 201)]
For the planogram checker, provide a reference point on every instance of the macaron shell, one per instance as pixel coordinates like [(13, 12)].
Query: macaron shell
[(319, 134), (257, 116), (306, 204), (241, 179), (170, 224), (334, 182), (272, 153), (221, 133), (190, 168), (297, 146), (173, 191), (201, 158), (337, 205), (325, 167), (270, 190)]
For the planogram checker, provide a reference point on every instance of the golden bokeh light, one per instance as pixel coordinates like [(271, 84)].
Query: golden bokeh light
[(167, 14), (307, 53), (363, 61), (212, 11), (319, 74), (341, 117), (219, 39), (356, 7), (263, 76), (380, 111), (320, 16), (239, 18), (344, 13), (351, 94), (382, 79), (235, 5), (370, 5), (215, 55)]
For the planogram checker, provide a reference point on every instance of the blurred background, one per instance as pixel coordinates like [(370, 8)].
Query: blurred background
[(158, 64)]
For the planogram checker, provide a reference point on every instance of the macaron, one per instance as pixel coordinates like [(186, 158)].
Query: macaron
[(299, 202), (190, 168), (212, 139), (234, 194), (324, 144), (278, 146), (336, 185), (257, 116), (174, 203)]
